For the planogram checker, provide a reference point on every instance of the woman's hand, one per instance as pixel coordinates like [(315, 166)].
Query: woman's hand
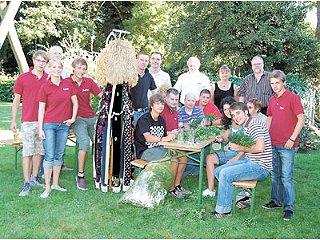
[(69, 122), (42, 135)]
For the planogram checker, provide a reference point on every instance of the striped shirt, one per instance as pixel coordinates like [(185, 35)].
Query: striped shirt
[(258, 130), (184, 117), (261, 90)]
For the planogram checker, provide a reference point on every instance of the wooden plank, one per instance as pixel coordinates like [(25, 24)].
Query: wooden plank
[(140, 163), (186, 147), (245, 183)]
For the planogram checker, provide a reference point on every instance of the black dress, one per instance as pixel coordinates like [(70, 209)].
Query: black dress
[(221, 94)]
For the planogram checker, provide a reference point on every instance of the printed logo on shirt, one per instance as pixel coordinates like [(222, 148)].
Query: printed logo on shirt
[(65, 89), (85, 90), (281, 108)]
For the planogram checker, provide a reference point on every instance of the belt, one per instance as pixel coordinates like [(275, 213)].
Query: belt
[(141, 109)]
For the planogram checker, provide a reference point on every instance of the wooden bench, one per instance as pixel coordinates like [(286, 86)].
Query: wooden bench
[(17, 147), (250, 186), (140, 163)]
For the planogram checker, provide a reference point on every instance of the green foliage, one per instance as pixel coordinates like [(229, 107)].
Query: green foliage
[(308, 139), (205, 133), (6, 86), (241, 30), (242, 139)]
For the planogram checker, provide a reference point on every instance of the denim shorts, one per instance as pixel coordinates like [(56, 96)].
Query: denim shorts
[(84, 131), (32, 144)]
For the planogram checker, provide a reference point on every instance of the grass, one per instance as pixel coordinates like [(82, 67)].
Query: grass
[(94, 214)]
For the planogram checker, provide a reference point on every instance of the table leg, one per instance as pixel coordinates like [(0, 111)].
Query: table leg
[(201, 176), (16, 156)]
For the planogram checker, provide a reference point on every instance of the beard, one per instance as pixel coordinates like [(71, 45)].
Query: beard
[(257, 70)]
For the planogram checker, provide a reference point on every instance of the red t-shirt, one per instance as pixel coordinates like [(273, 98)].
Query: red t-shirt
[(28, 85), (170, 117), (58, 101), (86, 87), (210, 109), (284, 111)]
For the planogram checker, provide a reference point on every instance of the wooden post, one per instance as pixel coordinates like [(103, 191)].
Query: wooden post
[(7, 28)]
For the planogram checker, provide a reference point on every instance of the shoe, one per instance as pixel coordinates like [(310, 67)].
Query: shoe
[(35, 182), (243, 203), (208, 193), (64, 168), (25, 190), (221, 215), (176, 193), (81, 184), (61, 189), (288, 215), (271, 205), (182, 190), (44, 194)]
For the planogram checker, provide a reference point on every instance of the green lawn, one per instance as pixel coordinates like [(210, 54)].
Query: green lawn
[(94, 214)]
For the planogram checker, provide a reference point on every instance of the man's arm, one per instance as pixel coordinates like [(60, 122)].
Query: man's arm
[(300, 123), (151, 138), (15, 109), (258, 147)]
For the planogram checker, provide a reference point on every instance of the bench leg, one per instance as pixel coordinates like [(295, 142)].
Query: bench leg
[(253, 193)]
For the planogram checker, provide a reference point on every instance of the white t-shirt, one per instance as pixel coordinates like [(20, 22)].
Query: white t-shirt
[(161, 78), (192, 83)]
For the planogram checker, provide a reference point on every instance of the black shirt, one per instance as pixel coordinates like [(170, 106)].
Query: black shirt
[(147, 124), (139, 92)]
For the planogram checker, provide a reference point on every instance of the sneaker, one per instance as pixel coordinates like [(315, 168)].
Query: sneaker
[(208, 193), (221, 215), (81, 183), (243, 203), (65, 168), (61, 189), (176, 193), (182, 190), (26, 189), (288, 215), (35, 182), (271, 205)]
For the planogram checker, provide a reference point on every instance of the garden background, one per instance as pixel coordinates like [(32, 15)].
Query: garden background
[(218, 33)]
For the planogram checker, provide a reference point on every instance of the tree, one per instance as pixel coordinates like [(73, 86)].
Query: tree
[(234, 32), (318, 20)]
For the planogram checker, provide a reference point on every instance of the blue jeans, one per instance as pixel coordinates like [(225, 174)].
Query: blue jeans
[(243, 169), (55, 143), (192, 166), (283, 189)]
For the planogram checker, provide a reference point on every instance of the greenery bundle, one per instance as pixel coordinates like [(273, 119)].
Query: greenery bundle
[(242, 139)]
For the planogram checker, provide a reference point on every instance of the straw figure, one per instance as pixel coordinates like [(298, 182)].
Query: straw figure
[(116, 72)]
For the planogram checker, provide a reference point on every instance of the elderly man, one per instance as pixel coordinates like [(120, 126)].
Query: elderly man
[(256, 85), (192, 81), (189, 111), (56, 52)]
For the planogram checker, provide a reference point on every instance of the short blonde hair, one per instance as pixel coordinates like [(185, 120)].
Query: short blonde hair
[(52, 61)]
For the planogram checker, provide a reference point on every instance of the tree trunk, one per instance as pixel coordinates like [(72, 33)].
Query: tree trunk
[(318, 21)]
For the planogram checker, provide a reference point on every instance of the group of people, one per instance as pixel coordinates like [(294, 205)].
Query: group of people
[(261, 107), (51, 104)]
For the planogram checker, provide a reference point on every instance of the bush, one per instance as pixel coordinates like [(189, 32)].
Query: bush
[(6, 86)]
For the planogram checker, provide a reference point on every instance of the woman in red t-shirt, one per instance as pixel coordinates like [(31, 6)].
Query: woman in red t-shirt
[(58, 106)]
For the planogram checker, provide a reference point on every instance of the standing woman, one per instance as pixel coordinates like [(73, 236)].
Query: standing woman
[(224, 87), (58, 106)]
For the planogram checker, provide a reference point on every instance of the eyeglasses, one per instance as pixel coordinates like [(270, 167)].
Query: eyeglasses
[(40, 61)]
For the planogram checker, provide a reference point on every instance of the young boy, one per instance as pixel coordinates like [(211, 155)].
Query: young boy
[(27, 86), (256, 165), (86, 119), (285, 121)]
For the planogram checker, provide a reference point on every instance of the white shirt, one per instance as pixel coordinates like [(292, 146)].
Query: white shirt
[(192, 83), (161, 78)]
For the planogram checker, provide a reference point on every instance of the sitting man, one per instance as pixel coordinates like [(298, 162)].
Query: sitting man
[(189, 111), (150, 131), (255, 165), (208, 107), (170, 113)]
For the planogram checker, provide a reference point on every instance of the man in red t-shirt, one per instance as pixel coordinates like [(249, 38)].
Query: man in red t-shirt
[(170, 113), (208, 107), (27, 86), (86, 118), (285, 121)]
